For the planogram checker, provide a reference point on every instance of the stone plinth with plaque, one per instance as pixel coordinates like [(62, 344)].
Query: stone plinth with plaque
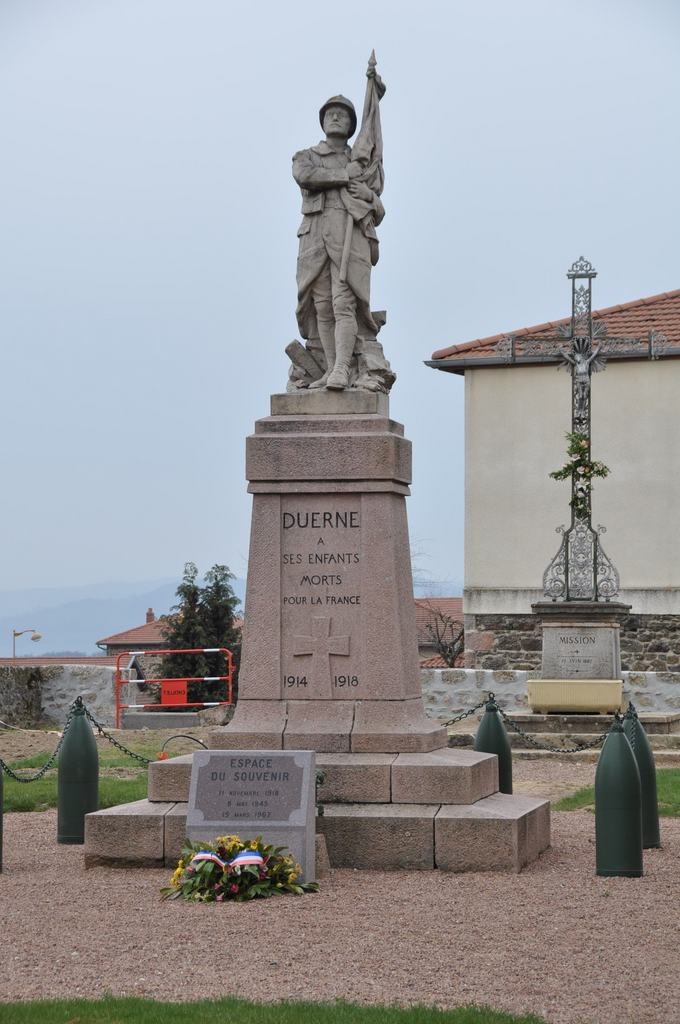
[(581, 660)]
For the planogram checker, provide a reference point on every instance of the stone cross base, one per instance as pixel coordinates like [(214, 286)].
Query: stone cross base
[(581, 639)]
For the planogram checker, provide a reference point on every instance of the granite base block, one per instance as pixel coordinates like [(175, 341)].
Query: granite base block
[(256, 725), (499, 833), (379, 835), (128, 833), (355, 778), (169, 780), (446, 776), (322, 726), (395, 726), (175, 833)]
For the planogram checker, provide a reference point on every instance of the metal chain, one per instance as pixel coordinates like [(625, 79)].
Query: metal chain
[(466, 714), (547, 746), (50, 761), (119, 746), (525, 735)]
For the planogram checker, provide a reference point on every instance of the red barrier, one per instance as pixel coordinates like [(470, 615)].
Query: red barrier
[(174, 691)]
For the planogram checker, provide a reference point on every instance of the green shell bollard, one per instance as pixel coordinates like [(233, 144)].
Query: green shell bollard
[(637, 737), (618, 808), (77, 778), (491, 738)]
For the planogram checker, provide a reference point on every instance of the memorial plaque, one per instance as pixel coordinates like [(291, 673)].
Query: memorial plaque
[(256, 792), (579, 652), (321, 597)]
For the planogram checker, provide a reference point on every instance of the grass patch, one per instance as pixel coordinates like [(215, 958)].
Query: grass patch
[(667, 793), (122, 779), (42, 794), (237, 1011)]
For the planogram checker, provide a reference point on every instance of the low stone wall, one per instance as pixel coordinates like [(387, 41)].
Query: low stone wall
[(29, 696), (94, 683), (20, 695), (449, 691), (649, 643)]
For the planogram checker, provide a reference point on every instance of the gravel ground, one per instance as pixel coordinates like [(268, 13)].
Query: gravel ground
[(555, 940)]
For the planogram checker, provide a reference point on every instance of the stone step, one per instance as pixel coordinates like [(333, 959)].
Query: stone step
[(447, 775), (497, 833), (659, 742), (653, 724), (160, 719)]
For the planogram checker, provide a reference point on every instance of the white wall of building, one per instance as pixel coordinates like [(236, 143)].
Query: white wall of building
[(515, 421)]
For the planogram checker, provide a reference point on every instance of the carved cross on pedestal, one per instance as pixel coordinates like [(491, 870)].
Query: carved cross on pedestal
[(321, 645)]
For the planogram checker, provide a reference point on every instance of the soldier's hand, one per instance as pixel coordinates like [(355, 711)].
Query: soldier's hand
[(360, 191)]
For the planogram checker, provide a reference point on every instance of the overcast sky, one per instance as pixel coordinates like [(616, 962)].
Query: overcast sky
[(148, 225)]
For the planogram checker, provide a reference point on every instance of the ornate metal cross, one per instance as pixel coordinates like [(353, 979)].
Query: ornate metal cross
[(321, 645), (581, 571)]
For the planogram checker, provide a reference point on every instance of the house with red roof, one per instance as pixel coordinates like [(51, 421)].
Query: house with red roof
[(147, 637), (517, 411)]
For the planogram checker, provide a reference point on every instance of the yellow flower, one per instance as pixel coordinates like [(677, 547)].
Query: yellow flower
[(177, 874), (252, 844), (291, 877)]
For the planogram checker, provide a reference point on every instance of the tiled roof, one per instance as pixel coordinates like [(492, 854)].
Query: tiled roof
[(436, 661), (631, 320), (138, 637), (427, 608)]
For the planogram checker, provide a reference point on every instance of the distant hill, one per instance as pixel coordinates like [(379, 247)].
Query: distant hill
[(74, 618)]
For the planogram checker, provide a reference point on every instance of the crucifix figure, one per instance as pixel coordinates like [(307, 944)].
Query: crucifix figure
[(321, 645), (581, 571)]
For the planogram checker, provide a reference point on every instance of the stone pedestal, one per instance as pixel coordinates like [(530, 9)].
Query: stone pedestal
[(330, 663), (581, 660), (581, 638), (330, 654)]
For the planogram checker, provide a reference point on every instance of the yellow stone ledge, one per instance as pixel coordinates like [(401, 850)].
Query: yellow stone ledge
[(572, 695)]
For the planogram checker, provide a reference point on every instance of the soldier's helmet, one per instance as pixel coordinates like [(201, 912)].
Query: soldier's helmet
[(340, 101)]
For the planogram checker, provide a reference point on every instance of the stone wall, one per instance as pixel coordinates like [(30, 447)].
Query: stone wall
[(649, 643), (29, 696), (94, 683), (449, 691), (20, 695)]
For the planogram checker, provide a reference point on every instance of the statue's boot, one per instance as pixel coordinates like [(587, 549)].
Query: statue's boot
[(327, 339), (338, 378)]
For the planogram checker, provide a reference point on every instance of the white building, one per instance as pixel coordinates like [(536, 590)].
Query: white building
[(517, 411)]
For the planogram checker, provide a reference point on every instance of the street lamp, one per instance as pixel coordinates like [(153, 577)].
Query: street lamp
[(20, 632)]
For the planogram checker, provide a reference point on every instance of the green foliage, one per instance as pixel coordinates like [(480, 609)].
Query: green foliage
[(238, 1011), (42, 794), (215, 878), (203, 617), (667, 794), (581, 469)]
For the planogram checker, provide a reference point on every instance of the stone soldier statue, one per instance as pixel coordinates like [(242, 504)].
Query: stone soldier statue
[(341, 207)]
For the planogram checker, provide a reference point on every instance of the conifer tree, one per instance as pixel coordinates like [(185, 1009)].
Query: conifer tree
[(203, 617)]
